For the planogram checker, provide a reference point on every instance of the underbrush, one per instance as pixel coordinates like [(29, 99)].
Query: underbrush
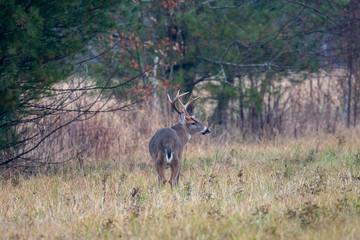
[(294, 189)]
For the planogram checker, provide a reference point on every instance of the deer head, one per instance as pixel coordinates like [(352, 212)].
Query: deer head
[(193, 126)]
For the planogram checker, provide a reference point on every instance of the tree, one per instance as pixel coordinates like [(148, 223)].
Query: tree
[(346, 36), (42, 43), (250, 45)]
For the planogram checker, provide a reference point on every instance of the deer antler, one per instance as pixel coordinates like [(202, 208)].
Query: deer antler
[(177, 97), (188, 116)]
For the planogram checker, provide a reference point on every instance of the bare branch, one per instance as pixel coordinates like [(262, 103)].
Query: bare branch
[(268, 64), (222, 7), (314, 9)]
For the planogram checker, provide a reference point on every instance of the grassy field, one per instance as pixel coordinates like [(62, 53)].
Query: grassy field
[(283, 189)]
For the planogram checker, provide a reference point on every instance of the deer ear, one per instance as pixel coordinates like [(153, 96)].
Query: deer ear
[(182, 118)]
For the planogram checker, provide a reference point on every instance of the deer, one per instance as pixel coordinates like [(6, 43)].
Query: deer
[(167, 144)]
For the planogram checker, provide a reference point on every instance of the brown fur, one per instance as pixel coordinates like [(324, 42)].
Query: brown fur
[(173, 139)]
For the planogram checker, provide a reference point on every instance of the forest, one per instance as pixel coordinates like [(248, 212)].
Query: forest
[(84, 86)]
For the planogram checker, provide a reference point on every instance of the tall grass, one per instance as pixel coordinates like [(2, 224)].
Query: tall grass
[(307, 109), (103, 185), (295, 189)]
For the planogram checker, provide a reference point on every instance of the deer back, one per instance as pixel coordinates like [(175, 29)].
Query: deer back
[(165, 140)]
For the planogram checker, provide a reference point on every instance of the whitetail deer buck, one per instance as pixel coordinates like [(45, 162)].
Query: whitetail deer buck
[(167, 144)]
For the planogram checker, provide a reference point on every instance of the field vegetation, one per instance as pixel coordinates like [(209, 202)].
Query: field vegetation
[(306, 188)]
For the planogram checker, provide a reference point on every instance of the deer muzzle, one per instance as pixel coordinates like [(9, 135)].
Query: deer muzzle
[(207, 131)]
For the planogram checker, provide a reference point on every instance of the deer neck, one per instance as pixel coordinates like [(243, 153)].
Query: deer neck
[(182, 132)]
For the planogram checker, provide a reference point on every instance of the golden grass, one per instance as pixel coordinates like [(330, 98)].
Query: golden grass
[(284, 189)]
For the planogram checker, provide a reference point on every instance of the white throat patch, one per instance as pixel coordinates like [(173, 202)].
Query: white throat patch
[(189, 136)]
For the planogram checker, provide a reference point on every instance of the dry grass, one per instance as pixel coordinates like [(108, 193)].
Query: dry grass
[(292, 189), (306, 188)]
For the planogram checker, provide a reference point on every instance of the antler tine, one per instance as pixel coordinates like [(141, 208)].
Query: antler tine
[(177, 97), (188, 103)]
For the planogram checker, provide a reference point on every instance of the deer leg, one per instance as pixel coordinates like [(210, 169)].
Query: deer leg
[(177, 177), (160, 172), (178, 172), (175, 172)]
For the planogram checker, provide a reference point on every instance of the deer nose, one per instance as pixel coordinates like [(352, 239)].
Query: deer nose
[(207, 131)]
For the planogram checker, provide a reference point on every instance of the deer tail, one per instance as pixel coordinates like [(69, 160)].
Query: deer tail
[(169, 155)]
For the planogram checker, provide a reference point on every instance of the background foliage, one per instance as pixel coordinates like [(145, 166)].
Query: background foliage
[(248, 59)]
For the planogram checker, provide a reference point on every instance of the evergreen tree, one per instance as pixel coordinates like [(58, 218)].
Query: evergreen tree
[(40, 45)]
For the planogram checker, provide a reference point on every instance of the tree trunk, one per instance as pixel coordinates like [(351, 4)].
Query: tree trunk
[(189, 87), (348, 112), (356, 98), (241, 104)]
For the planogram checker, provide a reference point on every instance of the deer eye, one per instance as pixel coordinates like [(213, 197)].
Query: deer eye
[(193, 123)]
